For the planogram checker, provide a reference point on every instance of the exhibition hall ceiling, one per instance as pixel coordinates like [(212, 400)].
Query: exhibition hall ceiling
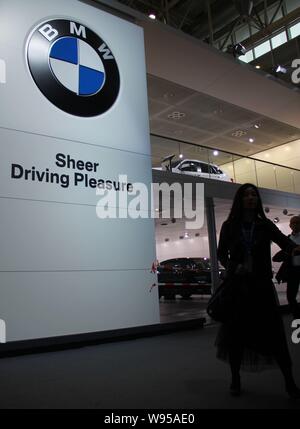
[(191, 16), (188, 116), (166, 229), (182, 114)]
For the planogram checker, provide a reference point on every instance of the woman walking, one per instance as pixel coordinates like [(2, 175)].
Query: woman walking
[(254, 337)]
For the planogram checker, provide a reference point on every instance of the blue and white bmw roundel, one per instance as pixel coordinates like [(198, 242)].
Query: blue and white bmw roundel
[(77, 66), (73, 67)]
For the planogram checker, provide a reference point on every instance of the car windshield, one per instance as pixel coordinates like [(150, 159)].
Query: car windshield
[(218, 170), (175, 163)]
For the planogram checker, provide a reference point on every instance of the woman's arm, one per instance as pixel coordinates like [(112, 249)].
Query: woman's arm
[(223, 249), (285, 243)]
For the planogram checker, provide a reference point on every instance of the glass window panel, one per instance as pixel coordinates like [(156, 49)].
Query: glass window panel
[(291, 5), (262, 49), (278, 40), (295, 30)]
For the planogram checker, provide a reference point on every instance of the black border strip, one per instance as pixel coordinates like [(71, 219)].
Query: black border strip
[(53, 344)]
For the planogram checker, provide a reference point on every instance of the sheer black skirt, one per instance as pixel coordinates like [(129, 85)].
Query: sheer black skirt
[(255, 328)]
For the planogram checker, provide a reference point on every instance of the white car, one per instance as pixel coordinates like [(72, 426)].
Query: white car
[(194, 167)]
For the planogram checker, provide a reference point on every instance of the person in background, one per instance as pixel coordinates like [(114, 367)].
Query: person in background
[(254, 337), (289, 270), (293, 272)]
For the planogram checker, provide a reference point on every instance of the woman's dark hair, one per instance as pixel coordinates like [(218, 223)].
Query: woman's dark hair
[(236, 211)]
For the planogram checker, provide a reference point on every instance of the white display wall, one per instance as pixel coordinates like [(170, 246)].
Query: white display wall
[(62, 269)]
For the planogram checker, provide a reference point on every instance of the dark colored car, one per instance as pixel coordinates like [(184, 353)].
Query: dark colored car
[(185, 277)]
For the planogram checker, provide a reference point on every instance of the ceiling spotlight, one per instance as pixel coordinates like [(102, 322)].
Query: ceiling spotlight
[(152, 15), (257, 66), (284, 211), (186, 235), (276, 219), (197, 234), (180, 155), (237, 50), (240, 49), (280, 69), (215, 152), (181, 237), (267, 209), (256, 126), (251, 140)]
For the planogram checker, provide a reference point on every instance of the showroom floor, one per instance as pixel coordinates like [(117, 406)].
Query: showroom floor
[(175, 371)]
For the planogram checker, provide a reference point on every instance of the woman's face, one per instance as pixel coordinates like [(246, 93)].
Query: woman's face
[(250, 198)]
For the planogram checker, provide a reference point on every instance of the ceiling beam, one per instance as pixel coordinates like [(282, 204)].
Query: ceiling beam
[(272, 28)]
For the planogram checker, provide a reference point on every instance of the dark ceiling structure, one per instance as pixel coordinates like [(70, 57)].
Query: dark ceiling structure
[(216, 21)]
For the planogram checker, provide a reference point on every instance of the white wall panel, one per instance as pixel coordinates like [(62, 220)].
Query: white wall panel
[(62, 269)]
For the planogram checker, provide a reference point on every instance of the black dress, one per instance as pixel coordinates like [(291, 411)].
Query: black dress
[(256, 327)]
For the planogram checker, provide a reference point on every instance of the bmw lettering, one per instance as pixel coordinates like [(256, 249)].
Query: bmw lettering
[(73, 67)]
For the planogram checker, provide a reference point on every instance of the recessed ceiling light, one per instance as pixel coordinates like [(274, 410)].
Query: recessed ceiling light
[(180, 155), (176, 115), (166, 239), (239, 133), (168, 95), (257, 66), (251, 140), (256, 126), (215, 152), (152, 15)]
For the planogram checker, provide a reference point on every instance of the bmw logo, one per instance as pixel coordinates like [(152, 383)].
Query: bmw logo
[(73, 67)]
